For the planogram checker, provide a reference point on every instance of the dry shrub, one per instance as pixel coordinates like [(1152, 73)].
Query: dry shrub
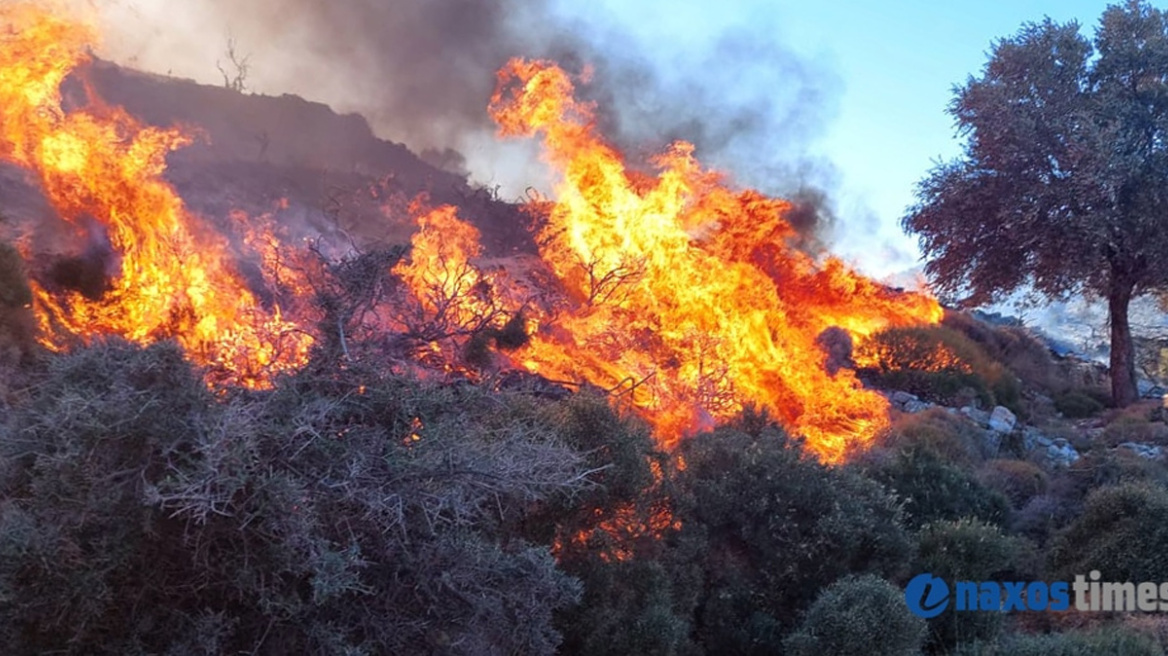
[(1018, 480), (341, 513), (1014, 347), (951, 437), (17, 324), (939, 364), (1132, 428)]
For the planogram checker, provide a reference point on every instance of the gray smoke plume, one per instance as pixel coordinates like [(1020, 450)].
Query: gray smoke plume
[(422, 72)]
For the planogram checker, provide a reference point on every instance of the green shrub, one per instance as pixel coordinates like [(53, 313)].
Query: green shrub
[(933, 489), (1077, 404), (628, 608), (857, 616), (969, 550), (1122, 532), (1113, 642), (771, 527)]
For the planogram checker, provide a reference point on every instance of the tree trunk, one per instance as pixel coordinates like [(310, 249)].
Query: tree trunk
[(1123, 353)]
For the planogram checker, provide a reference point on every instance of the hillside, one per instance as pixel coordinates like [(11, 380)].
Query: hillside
[(300, 392)]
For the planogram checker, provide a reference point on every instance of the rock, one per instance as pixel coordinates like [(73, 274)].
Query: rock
[(1032, 439), (1149, 451), (900, 399), (979, 417), (1002, 420), (1061, 456), (915, 406)]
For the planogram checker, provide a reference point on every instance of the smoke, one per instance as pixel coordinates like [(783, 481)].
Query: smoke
[(422, 71)]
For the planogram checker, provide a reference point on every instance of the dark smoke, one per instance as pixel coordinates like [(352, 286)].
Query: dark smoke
[(422, 72)]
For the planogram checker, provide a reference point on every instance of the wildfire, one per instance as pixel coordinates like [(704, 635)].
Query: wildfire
[(681, 295), (102, 171), (452, 295), (687, 293)]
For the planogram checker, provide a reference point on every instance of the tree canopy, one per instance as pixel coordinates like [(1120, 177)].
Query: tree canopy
[(1063, 183)]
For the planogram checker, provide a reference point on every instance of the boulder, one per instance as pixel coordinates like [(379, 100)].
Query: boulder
[(1032, 439), (1149, 451), (900, 399), (991, 444), (1062, 455), (915, 406), (979, 417), (1002, 420)]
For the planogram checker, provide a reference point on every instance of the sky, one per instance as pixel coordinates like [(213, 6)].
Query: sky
[(898, 62), (858, 89)]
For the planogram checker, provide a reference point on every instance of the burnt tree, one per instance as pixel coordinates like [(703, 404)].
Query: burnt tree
[(1063, 184)]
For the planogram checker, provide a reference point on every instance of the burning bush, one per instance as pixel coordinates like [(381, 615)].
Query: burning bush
[(936, 363)]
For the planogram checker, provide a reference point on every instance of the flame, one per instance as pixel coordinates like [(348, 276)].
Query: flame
[(911, 354), (101, 167), (688, 295), (453, 294), (681, 295)]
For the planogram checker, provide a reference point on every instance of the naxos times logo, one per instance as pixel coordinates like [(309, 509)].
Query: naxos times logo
[(929, 596)]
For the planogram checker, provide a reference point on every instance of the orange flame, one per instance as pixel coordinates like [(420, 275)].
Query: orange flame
[(101, 165), (451, 291), (688, 293), (684, 296)]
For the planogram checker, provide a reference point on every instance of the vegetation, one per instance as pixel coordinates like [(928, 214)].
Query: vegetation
[(1115, 642), (1122, 532), (16, 321), (857, 616), (933, 489), (1078, 404), (349, 510), (969, 550), (141, 514), (1062, 183), (938, 364), (354, 510)]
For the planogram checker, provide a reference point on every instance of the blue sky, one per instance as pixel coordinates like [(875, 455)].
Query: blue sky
[(896, 64)]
